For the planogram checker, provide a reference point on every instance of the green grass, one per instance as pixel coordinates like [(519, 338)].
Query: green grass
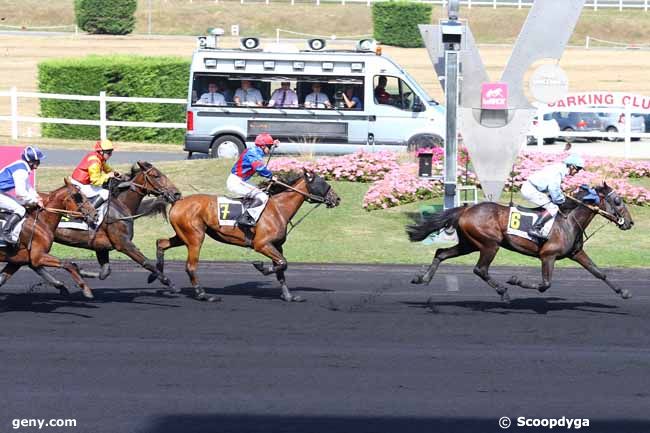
[(348, 233)]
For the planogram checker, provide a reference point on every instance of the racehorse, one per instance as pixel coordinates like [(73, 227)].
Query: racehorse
[(483, 228), (196, 215), (116, 230), (37, 236)]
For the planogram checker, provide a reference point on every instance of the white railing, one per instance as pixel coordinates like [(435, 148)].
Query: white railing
[(626, 134), (103, 122)]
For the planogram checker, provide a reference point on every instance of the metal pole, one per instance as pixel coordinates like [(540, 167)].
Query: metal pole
[(102, 115), (628, 131), (451, 141), (14, 113)]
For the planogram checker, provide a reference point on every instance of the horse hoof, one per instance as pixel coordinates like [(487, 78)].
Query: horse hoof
[(63, 291), (259, 266), (87, 293), (626, 294), (292, 298), (505, 297), (514, 281), (152, 277), (174, 289), (417, 280)]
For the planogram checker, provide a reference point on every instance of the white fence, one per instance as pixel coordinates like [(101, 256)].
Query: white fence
[(102, 122)]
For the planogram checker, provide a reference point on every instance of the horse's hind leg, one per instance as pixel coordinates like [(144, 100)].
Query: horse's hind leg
[(274, 252), (441, 255), (584, 260), (44, 274), (161, 246), (482, 270), (51, 261), (104, 266), (548, 264)]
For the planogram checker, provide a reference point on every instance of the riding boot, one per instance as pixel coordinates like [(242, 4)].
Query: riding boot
[(96, 201), (10, 223), (245, 220), (536, 231)]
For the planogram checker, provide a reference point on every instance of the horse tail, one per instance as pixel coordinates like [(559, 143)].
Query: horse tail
[(433, 223), (153, 207)]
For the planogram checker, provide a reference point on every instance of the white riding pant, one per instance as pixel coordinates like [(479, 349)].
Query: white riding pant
[(91, 190), (9, 203), (238, 187), (533, 195)]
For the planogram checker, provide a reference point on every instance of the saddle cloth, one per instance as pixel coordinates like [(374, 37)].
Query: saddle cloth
[(15, 234), (521, 220), (79, 224), (230, 208)]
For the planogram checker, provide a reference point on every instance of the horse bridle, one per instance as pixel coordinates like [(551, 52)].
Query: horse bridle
[(312, 198), (155, 191), (615, 218)]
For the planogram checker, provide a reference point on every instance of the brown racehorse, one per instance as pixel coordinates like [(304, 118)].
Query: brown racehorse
[(483, 227), (116, 230), (196, 215), (37, 236)]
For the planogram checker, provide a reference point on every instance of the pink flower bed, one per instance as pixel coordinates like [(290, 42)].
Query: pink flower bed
[(394, 184)]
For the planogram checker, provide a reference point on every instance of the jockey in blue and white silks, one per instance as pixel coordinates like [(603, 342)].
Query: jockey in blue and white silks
[(544, 188), (15, 178), (251, 162)]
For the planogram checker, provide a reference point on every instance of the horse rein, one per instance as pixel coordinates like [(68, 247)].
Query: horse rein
[(595, 209), (318, 199)]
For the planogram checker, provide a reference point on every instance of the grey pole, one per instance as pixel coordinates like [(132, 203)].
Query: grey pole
[(451, 40)]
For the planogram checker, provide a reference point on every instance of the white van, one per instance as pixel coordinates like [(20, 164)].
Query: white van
[(230, 101)]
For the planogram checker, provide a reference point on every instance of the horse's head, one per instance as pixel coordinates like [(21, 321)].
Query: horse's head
[(148, 180), (611, 203), (74, 201), (320, 190)]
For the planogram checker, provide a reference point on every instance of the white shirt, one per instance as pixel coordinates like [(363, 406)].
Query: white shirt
[(249, 97), (25, 194), (316, 100), (549, 180), (215, 98)]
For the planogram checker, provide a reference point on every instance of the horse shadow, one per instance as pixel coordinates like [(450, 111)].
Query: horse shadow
[(536, 305), (266, 290)]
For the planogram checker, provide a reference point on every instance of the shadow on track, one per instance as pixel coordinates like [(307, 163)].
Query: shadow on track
[(252, 289), (519, 306), (246, 423)]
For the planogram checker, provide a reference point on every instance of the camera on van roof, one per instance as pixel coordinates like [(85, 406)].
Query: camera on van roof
[(316, 44), (366, 45), (249, 43)]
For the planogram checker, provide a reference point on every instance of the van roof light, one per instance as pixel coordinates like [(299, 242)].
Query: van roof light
[(366, 45), (216, 31)]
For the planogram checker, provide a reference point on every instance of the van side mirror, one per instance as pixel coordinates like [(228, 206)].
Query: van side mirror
[(418, 106)]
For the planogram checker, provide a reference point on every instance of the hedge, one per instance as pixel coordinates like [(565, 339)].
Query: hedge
[(155, 77), (396, 22), (112, 17)]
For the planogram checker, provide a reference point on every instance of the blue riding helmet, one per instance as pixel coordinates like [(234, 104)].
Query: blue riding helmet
[(574, 160), (32, 154)]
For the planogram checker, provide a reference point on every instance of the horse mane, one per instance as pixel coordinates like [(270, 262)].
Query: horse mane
[(289, 178)]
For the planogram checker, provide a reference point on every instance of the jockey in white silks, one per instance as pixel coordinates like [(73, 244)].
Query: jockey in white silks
[(544, 188)]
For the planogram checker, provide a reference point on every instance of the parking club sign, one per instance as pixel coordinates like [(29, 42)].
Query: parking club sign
[(494, 96)]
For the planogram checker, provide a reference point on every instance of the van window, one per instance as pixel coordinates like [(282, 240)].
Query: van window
[(393, 91)]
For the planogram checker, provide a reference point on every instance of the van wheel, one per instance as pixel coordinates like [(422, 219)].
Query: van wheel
[(549, 140), (227, 147), (613, 130), (423, 141), (568, 139)]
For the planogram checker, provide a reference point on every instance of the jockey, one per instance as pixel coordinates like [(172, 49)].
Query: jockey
[(93, 172), (251, 161), (544, 188), (15, 177)]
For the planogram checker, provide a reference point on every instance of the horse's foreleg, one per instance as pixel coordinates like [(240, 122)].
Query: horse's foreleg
[(49, 278), (161, 246), (482, 270), (52, 262), (548, 264), (274, 252), (441, 255), (125, 246), (9, 270), (584, 260)]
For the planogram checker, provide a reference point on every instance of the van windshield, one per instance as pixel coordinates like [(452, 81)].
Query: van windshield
[(419, 89), (275, 91)]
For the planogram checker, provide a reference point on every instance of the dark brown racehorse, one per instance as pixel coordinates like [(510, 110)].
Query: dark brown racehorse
[(196, 215), (483, 227), (37, 236), (116, 230)]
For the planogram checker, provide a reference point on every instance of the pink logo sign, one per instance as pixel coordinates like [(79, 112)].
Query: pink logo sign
[(494, 96), (9, 154)]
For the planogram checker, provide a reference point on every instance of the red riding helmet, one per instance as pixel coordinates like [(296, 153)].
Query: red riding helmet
[(264, 140)]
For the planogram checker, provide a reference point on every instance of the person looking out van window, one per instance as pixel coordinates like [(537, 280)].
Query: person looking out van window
[(225, 91), (284, 96), (212, 97), (381, 95), (351, 102), (247, 95), (316, 99)]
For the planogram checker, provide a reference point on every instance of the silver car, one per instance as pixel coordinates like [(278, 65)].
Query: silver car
[(615, 122)]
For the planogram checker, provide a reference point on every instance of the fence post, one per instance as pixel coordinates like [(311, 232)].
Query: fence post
[(628, 131), (519, 4), (595, 5), (277, 36), (102, 115), (620, 5), (645, 5), (469, 4), (587, 42), (494, 4), (14, 113), (368, 3)]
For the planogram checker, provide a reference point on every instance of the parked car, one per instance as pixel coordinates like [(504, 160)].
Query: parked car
[(578, 122), (615, 122), (547, 128), (646, 118)]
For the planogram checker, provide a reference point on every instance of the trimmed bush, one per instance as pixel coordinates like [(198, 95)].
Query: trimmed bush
[(111, 17), (396, 22), (131, 76)]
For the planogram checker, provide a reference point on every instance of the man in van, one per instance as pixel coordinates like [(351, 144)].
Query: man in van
[(212, 97), (247, 95), (316, 99), (284, 96), (381, 95)]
